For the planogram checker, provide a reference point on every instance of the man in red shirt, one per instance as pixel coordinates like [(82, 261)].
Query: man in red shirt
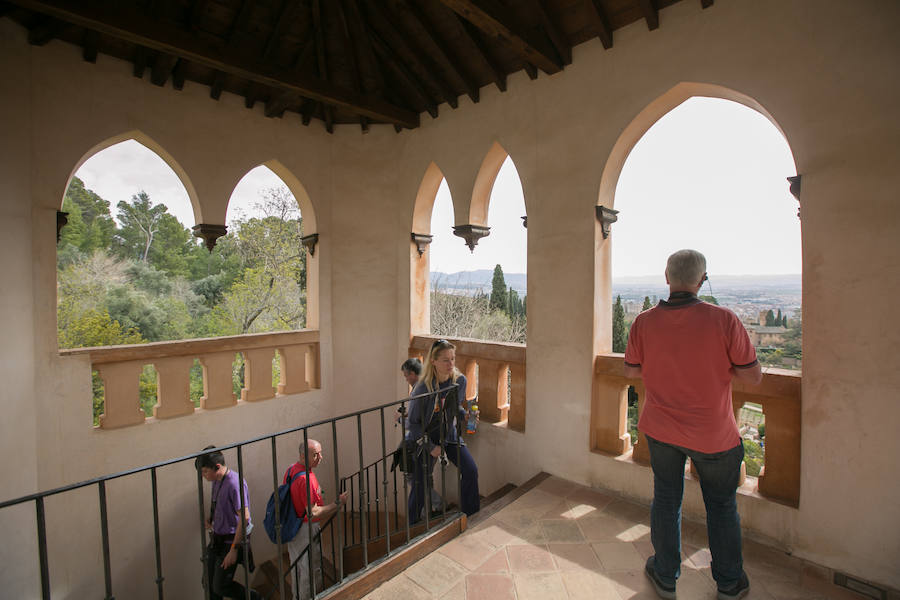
[(687, 352), (298, 497)]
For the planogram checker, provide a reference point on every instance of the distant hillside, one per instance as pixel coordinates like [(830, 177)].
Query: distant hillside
[(471, 281)]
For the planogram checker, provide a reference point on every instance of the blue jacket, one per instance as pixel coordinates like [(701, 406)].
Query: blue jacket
[(421, 411)]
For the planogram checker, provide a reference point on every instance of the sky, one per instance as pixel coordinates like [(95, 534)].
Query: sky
[(710, 175)]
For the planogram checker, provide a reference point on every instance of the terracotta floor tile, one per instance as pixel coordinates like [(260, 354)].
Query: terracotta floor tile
[(529, 559), (557, 486), (585, 585), (525, 530), (589, 497), (575, 557), (618, 556), (561, 530), (497, 563), (786, 590), (399, 587), (559, 509), (468, 551), (489, 586), (540, 586), (634, 585), (692, 584), (494, 533), (436, 573), (629, 511), (457, 592), (603, 528)]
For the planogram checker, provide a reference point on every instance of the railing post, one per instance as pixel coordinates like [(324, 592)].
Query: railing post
[(384, 470), (277, 519), (42, 547), (342, 507), (204, 555), (159, 577), (405, 457), (104, 535), (364, 517), (245, 539), (310, 551)]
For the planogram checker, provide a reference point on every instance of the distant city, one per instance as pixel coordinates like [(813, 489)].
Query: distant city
[(746, 295)]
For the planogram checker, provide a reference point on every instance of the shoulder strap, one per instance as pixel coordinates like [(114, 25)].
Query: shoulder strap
[(296, 475)]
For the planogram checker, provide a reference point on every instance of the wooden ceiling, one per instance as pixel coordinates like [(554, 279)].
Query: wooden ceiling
[(358, 62)]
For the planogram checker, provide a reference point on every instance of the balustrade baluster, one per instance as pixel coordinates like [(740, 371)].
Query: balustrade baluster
[(121, 394), (293, 376), (173, 387), (258, 374), (217, 385)]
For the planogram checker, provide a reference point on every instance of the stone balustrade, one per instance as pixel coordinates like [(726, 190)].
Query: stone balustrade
[(120, 369), (495, 370), (778, 394)]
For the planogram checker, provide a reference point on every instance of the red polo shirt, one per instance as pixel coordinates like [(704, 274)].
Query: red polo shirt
[(685, 351), (298, 489)]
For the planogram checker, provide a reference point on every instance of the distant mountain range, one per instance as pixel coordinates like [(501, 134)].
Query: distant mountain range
[(472, 281)]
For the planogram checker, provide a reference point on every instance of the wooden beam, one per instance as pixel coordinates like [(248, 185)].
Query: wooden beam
[(557, 38), (306, 110), (601, 23), (250, 95), (531, 70), (281, 21), (413, 56), (178, 74), (706, 3), (141, 56), (122, 21), (240, 19), (497, 21), (215, 90), (473, 35), (391, 59), (162, 66), (443, 49), (650, 12), (44, 30), (321, 60), (89, 43)]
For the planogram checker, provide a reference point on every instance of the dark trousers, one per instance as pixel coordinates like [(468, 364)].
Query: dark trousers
[(459, 455), (221, 581), (719, 475)]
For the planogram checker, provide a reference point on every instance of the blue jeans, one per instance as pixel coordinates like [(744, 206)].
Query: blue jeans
[(719, 477), (470, 501)]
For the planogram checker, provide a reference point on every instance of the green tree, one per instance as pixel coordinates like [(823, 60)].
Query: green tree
[(140, 221), (647, 305), (710, 299), (770, 318), (498, 290), (90, 226), (619, 336), (778, 318)]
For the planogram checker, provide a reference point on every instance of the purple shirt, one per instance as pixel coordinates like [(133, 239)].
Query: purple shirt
[(228, 504)]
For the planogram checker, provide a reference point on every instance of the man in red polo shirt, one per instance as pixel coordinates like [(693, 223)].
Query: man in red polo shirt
[(687, 352), (319, 512)]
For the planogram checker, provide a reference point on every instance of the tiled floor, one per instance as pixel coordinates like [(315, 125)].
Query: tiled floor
[(564, 541)]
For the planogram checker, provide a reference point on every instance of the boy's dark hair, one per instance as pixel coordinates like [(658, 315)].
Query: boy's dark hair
[(210, 460), (412, 365)]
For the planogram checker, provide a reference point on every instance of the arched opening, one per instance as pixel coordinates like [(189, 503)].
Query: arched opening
[(703, 167)]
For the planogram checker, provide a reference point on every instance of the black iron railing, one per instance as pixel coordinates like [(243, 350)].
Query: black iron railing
[(345, 536)]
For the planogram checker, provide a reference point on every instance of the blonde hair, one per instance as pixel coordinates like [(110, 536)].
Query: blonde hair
[(428, 376)]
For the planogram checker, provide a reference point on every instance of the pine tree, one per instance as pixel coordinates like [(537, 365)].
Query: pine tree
[(647, 304), (619, 336), (498, 290)]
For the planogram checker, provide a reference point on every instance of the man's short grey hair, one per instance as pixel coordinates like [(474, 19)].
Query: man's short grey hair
[(686, 268)]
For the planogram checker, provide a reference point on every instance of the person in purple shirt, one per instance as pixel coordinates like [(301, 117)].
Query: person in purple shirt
[(226, 547)]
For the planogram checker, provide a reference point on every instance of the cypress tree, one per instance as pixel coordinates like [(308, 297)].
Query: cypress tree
[(619, 336), (498, 290), (647, 304)]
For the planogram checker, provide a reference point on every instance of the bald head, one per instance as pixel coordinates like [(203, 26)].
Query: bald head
[(314, 452)]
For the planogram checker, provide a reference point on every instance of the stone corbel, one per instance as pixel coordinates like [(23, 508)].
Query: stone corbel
[(61, 221), (607, 217), (525, 221), (310, 242), (209, 233), (421, 240), (795, 189), (471, 233)]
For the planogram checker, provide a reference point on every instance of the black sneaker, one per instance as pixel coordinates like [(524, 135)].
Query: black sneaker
[(662, 590), (738, 591)]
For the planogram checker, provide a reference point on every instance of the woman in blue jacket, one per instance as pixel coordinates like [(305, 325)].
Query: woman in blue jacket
[(433, 418)]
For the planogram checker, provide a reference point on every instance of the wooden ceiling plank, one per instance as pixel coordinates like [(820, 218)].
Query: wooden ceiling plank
[(350, 45), (419, 17), (496, 20), (413, 57), (141, 56), (391, 59), (322, 60), (281, 21), (706, 3), (196, 14), (601, 23), (557, 38), (122, 21), (650, 12), (250, 95), (306, 110), (240, 19), (89, 44), (473, 35), (162, 66)]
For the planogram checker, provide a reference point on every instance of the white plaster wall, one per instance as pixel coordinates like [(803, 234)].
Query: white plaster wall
[(824, 72)]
